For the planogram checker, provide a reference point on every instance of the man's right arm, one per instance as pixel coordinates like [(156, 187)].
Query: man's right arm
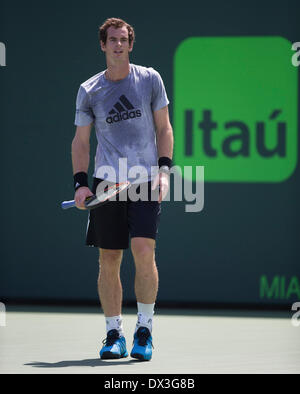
[(81, 160)]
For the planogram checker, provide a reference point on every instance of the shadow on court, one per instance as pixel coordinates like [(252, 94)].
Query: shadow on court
[(94, 362), (49, 342)]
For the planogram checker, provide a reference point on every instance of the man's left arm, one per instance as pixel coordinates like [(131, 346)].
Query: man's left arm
[(165, 142), (164, 133)]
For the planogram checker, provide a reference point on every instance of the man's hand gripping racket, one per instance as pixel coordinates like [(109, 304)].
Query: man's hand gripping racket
[(161, 180), (86, 200)]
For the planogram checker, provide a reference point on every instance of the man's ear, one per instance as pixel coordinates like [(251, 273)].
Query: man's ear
[(130, 48), (103, 46)]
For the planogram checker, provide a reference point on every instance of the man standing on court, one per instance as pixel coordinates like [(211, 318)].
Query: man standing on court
[(128, 106)]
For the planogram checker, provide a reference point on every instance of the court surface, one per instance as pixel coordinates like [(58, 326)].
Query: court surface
[(59, 340)]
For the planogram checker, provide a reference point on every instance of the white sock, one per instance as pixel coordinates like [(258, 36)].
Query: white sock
[(114, 323), (145, 316)]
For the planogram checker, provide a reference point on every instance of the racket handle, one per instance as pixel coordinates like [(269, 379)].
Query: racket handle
[(68, 204)]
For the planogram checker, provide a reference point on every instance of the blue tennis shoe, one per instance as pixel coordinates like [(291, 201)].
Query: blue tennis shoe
[(114, 346), (142, 345)]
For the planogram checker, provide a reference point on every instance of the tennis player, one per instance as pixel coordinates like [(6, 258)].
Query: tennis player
[(128, 106)]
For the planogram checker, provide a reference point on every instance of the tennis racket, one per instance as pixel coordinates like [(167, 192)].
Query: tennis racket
[(101, 198)]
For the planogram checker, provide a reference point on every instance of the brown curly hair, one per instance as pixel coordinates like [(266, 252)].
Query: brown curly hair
[(116, 23)]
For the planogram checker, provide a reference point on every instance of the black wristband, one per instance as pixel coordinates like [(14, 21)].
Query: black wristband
[(164, 161), (80, 180)]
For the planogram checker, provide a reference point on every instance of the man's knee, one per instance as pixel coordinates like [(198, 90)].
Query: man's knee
[(143, 249), (110, 257)]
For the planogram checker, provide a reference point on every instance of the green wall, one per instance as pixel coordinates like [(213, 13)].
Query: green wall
[(243, 247)]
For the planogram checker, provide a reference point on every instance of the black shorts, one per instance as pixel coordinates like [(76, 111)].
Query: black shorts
[(110, 226)]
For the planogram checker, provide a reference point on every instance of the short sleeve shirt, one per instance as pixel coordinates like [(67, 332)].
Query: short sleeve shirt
[(122, 113)]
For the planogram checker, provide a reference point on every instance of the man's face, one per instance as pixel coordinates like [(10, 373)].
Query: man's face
[(117, 44)]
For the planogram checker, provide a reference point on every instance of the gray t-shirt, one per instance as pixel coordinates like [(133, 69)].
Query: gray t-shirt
[(122, 113)]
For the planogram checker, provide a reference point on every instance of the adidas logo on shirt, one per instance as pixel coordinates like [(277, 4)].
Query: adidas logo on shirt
[(123, 110)]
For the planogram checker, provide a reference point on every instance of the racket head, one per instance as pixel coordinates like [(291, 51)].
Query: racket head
[(104, 196)]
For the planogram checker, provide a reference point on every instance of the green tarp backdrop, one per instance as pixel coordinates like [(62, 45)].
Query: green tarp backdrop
[(232, 78)]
